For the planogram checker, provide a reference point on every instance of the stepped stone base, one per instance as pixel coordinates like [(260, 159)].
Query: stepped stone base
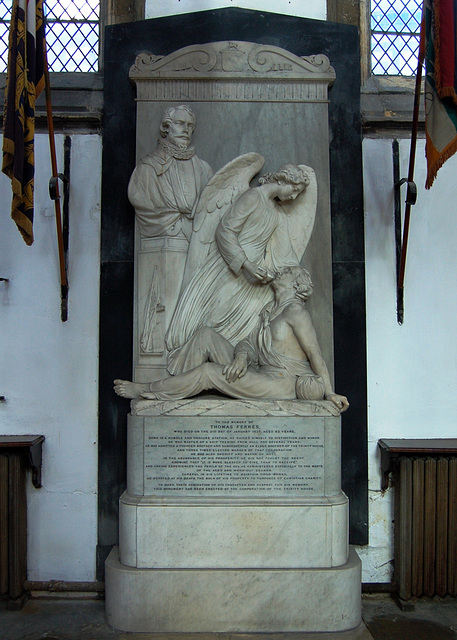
[(233, 600)]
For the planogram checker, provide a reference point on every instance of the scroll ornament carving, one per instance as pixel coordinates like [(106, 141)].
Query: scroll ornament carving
[(318, 62), (265, 59), (143, 62), (232, 58)]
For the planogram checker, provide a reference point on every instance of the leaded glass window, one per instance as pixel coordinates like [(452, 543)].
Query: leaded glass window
[(72, 34), (395, 32)]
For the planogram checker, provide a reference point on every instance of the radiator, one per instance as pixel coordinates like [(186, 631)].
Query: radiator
[(426, 526), (13, 525)]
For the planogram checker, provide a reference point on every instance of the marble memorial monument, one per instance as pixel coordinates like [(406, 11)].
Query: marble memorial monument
[(233, 518)]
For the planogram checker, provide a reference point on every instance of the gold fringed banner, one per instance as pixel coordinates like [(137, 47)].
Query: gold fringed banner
[(25, 81)]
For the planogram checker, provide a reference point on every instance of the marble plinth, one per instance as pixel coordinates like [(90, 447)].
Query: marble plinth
[(233, 535), (224, 600), (233, 521)]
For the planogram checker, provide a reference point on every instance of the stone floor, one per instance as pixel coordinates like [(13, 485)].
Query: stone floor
[(67, 619)]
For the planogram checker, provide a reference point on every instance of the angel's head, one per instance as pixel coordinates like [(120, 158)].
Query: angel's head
[(290, 179), (178, 124)]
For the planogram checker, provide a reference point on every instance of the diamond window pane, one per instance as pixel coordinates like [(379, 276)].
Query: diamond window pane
[(5, 11), (4, 31), (72, 34), (72, 47), (72, 9), (395, 32)]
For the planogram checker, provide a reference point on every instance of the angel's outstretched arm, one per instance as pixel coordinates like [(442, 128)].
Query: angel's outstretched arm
[(230, 226), (220, 193)]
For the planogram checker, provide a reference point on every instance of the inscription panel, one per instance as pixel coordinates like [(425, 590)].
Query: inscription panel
[(205, 456)]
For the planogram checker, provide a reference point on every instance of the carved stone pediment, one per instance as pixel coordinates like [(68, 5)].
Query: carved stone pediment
[(232, 71), (232, 59)]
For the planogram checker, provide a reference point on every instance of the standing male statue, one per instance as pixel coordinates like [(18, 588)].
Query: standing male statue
[(166, 183), (164, 188)]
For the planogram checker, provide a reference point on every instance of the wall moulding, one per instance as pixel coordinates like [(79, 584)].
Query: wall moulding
[(238, 71)]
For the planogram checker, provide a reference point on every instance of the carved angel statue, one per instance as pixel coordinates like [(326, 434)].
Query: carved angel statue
[(241, 238), (280, 359)]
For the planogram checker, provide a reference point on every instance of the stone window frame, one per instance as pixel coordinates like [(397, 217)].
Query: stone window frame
[(386, 101)]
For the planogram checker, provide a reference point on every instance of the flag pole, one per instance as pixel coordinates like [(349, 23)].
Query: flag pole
[(411, 191), (54, 191)]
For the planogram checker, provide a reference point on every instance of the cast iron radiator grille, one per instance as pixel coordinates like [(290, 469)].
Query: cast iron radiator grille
[(395, 29), (426, 526)]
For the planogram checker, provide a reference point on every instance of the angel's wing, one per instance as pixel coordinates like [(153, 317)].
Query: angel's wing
[(302, 213), (219, 194), (226, 185)]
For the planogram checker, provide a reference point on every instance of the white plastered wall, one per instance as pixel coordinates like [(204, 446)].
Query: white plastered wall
[(412, 369), (49, 369), (316, 9)]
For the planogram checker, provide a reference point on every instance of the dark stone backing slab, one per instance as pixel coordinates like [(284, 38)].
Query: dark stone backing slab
[(163, 36)]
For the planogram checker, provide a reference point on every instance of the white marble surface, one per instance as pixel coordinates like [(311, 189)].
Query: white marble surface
[(285, 143), (140, 428), (208, 405), (164, 256), (163, 189), (153, 535), (239, 90), (220, 600)]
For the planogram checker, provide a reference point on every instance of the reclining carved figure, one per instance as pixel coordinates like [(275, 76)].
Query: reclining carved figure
[(280, 359)]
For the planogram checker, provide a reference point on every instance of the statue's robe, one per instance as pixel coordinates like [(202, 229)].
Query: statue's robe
[(163, 189), (219, 296)]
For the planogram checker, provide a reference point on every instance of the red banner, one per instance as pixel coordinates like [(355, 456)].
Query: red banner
[(439, 47)]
